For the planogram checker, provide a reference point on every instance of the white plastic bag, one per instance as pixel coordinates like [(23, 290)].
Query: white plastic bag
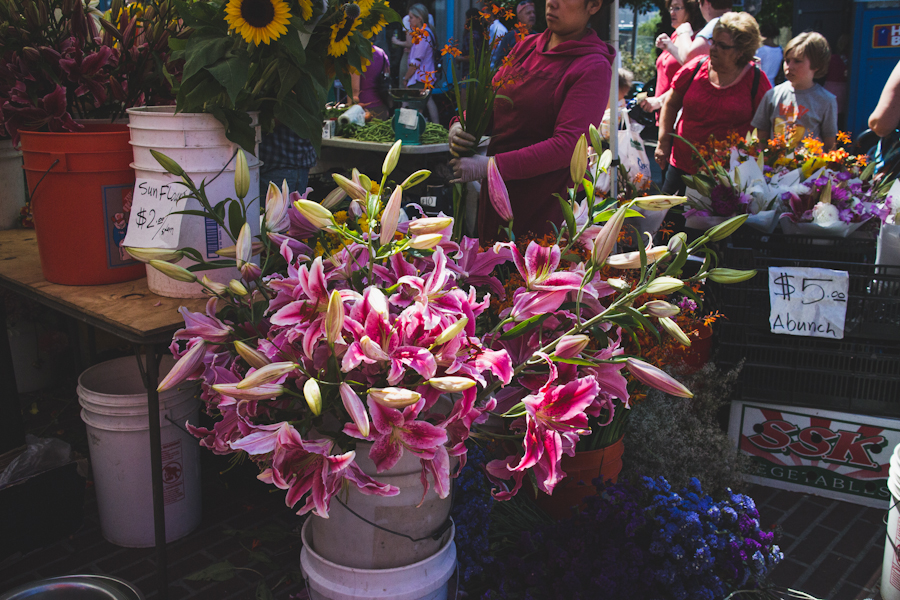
[(632, 156)]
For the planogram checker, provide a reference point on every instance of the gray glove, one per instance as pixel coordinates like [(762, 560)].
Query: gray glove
[(461, 143), (469, 168)]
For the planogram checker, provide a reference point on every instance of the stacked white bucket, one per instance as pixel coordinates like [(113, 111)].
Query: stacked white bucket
[(114, 409), (345, 558), (890, 569), (197, 142)]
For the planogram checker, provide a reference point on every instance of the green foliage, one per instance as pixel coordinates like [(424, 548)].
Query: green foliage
[(649, 27), (681, 438), (778, 12), (643, 65)]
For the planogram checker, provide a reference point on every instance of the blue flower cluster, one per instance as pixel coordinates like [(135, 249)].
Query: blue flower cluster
[(471, 513), (641, 540)]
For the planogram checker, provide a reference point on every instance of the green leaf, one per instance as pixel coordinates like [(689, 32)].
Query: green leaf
[(237, 128), (677, 264), (192, 253), (235, 217), (194, 213), (215, 264), (231, 73), (222, 571), (203, 51), (644, 321), (196, 92), (569, 216), (524, 326), (261, 557), (263, 592), (573, 361)]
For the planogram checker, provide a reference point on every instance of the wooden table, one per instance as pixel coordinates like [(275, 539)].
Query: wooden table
[(127, 310)]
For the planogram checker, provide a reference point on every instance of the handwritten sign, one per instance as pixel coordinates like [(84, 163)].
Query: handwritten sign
[(152, 224), (808, 302)]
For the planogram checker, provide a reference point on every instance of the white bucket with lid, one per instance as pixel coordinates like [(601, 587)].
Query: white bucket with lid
[(890, 568), (427, 579), (114, 409), (197, 142), (12, 192)]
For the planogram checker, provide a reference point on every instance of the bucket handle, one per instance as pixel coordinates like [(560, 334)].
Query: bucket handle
[(884, 519), (47, 172), (435, 535)]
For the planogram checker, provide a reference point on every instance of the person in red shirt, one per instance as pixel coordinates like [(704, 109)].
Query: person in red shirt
[(557, 84), (687, 20), (718, 95)]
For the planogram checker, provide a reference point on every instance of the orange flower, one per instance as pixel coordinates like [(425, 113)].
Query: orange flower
[(509, 15), (418, 34), (428, 79), (496, 9), (451, 50), (843, 138)]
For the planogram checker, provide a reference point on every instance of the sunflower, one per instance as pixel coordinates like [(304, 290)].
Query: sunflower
[(306, 9), (378, 26), (365, 6), (258, 21), (340, 35)]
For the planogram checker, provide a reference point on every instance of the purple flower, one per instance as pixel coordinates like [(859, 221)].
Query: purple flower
[(726, 200), (846, 215), (839, 194), (843, 176)]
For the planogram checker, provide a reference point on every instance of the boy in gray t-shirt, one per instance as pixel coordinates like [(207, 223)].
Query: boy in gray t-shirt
[(799, 101)]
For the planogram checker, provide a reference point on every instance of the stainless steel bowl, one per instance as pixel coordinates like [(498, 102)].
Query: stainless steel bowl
[(75, 587)]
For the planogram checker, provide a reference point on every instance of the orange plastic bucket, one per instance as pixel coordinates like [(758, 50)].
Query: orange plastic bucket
[(81, 206)]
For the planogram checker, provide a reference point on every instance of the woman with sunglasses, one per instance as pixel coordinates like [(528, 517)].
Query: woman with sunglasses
[(686, 20), (717, 95)]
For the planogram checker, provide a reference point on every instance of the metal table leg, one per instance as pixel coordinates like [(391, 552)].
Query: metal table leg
[(159, 514), (12, 431)]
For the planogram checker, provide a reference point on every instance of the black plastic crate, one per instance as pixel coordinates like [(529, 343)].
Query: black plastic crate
[(857, 376), (803, 247), (873, 307)]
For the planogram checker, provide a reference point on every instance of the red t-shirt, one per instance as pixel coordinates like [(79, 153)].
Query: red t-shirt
[(712, 111), (666, 68)]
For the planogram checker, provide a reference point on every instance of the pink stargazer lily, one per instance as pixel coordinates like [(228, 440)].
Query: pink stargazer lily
[(555, 419), (547, 287), (189, 366), (396, 432), (205, 326), (302, 466), (475, 268)]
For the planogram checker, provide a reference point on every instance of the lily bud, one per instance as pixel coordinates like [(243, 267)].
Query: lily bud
[(315, 213), (216, 288), (352, 189), (334, 317), (451, 384), (451, 332), (620, 285), (266, 374), (570, 346), (254, 358), (168, 164), (242, 248), (676, 242), (497, 192), (334, 198), (231, 251), (606, 238), (674, 330), (393, 397), (730, 275), (277, 205), (355, 409), (184, 368), (825, 197), (661, 308), (605, 161), (428, 225), (237, 288), (390, 161), (659, 202), (426, 242), (632, 260), (261, 392), (372, 350), (173, 271), (313, 396), (578, 163), (657, 378), (723, 230), (416, 178), (241, 175), (596, 139), (664, 285), (391, 215), (145, 255)]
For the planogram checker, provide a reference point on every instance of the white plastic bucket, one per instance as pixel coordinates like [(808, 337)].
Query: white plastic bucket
[(114, 404), (12, 192), (197, 142), (404, 513), (890, 568), (423, 580)]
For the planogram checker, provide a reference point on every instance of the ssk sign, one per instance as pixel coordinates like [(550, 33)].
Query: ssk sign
[(833, 454)]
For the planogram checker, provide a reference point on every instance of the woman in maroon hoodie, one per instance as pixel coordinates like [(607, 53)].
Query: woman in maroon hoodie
[(559, 85)]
